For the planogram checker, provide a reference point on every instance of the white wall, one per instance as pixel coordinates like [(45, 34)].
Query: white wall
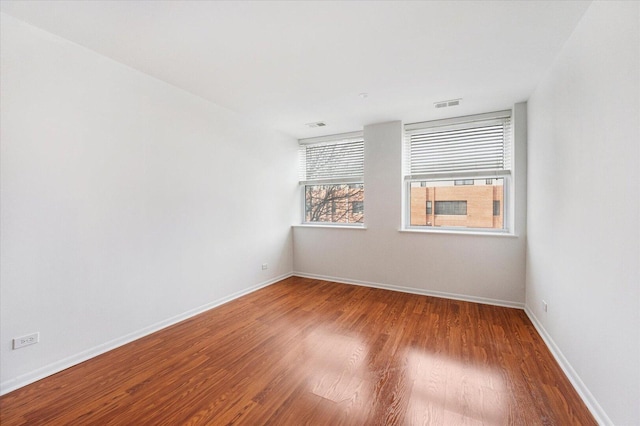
[(124, 203), (583, 216), (473, 267)]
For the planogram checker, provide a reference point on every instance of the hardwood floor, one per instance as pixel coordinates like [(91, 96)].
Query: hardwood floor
[(314, 352)]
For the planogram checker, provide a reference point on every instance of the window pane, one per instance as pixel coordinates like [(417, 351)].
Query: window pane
[(447, 204), (336, 203), (451, 207)]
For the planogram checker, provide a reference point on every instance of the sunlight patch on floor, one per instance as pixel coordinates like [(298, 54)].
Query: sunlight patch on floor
[(448, 391)]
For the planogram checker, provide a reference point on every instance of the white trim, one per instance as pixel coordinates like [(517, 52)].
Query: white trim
[(345, 181), (332, 138), (419, 291), (479, 174), (590, 401), (55, 367), (458, 120), (467, 231), (330, 225), (587, 397)]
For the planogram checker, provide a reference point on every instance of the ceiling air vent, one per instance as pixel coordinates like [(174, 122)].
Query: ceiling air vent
[(317, 124), (449, 103)]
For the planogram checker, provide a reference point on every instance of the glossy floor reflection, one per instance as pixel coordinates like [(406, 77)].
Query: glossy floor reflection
[(446, 391), (313, 352)]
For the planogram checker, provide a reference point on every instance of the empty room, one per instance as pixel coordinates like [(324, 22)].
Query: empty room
[(319, 212)]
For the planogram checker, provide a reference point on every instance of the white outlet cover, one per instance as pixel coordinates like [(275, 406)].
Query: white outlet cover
[(29, 339)]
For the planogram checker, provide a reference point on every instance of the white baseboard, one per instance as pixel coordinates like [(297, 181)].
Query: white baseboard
[(443, 295), (589, 400), (33, 376), (587, 397)]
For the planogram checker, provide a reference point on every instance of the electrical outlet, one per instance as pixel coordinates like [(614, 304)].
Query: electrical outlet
[(265, 266), (544, 306), (30, 339)]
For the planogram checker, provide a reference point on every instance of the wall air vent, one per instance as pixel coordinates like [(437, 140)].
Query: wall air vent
[(449, 103), (317, 124)]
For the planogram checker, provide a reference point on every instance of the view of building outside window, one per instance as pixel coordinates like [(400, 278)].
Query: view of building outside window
[(335, 203), (469, 203)]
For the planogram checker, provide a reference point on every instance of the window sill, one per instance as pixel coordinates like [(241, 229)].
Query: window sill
[(331, 226), (459, 232)]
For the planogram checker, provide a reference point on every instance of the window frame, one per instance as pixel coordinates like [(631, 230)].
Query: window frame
[(505, 174), (304, 222), (347, 181), (506, 214)]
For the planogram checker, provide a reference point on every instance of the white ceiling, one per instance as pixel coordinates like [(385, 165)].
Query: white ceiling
[(285, 64)]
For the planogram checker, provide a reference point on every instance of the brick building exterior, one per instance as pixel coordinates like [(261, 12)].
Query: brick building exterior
[(472, 204)]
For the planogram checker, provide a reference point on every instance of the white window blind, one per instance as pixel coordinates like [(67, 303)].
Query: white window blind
[(458, 147), (330, 159)]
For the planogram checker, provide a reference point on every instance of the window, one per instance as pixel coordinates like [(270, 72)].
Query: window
[(334, 203), (451, 207), (331, 175), (471, 206), (463, 167)]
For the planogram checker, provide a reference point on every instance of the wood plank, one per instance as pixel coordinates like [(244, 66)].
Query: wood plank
[(306, 351)]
